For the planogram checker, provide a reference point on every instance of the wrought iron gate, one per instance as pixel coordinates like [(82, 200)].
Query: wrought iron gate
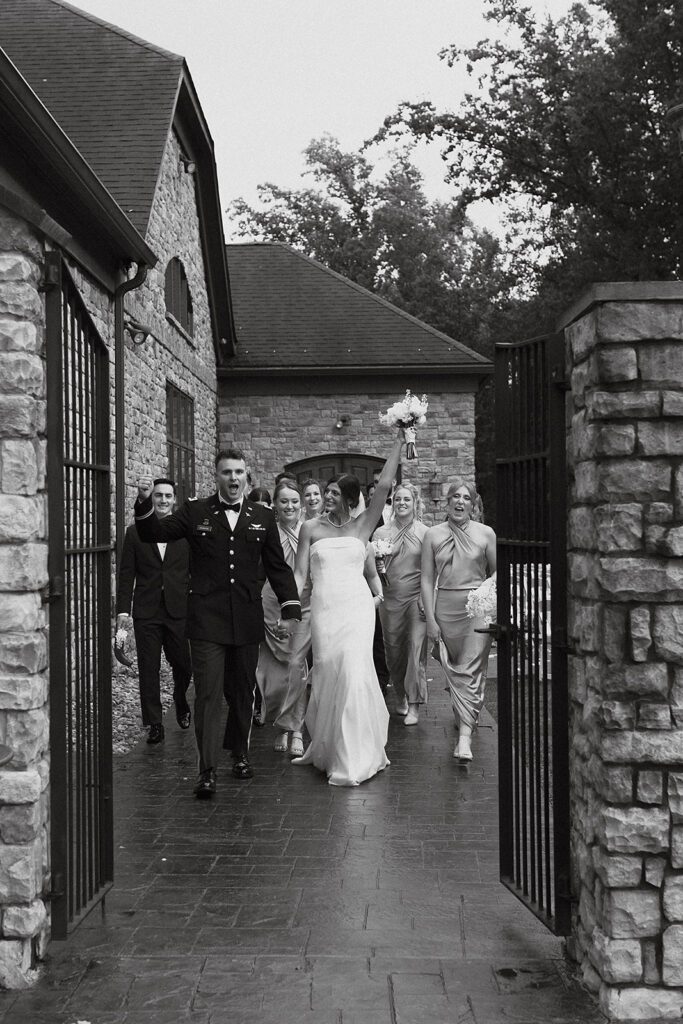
[(79, 565), (532, 655)]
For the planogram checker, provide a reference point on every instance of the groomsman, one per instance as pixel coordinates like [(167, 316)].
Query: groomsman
[(229, 537), (153, 579)]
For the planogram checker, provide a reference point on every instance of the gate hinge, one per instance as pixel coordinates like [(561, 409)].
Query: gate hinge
[(558, 376), (54, 590), (50, 278), (57, 887)]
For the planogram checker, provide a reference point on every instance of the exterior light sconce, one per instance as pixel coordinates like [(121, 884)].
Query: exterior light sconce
[(674, 116), (342, 422), (435, 487), (188, 164), (139, 333)]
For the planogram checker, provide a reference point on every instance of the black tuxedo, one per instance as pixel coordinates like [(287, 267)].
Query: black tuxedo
[(156, 588), (225, 614)]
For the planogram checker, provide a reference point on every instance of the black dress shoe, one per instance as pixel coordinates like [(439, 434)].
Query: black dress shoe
[(156, 733), (184, 720), (206, 787), (241, 769)]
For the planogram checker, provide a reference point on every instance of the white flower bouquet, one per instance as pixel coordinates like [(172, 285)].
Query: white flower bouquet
[(482, 603), (407, 413), (383, 548), (124, 647)]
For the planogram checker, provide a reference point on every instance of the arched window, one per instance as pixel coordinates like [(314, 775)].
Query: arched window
[(178, 298)]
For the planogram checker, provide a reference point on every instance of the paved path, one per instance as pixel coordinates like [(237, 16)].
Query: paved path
[(288, 901)]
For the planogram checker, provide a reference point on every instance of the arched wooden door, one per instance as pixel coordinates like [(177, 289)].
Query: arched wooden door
[(322, 467)]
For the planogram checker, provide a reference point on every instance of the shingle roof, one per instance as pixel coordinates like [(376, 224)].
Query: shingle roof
[(112, 93), (291, 311)]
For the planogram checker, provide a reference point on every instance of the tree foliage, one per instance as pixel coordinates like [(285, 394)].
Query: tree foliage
[(380, 230), (566, 124)]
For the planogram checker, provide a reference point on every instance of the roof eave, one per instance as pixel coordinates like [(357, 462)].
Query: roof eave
[(194, 133), (395, 370)]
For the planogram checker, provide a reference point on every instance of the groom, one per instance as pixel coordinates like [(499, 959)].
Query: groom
[(228, 537)]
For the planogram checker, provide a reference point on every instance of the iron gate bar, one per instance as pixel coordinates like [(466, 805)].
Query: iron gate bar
[(80, 644), (532, 679)]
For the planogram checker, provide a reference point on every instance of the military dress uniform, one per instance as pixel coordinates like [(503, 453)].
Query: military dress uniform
[(225, 614)]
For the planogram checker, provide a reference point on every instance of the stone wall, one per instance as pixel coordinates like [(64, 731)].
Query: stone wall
[(169, 354), (189, 363), (24, 710), (278, 429), (626, 666)]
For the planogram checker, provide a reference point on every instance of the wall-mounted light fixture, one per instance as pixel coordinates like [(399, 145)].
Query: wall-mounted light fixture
[(139, 333), (435, 487), (188, 164), (342, 422)]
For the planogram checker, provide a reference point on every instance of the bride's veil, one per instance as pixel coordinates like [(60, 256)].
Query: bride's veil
[(360, 507)]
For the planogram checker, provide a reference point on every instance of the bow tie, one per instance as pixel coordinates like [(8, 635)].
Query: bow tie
[(230, 508)]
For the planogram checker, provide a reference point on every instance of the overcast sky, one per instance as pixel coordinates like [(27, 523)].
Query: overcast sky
[(273, 74)]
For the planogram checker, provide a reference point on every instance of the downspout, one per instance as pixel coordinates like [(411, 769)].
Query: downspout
[(120, 402)]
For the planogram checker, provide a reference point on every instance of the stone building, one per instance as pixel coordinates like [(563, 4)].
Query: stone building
[(114, 312), (319, 357)]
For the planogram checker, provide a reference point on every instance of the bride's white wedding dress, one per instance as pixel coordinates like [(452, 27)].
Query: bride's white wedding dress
[(347, 718)]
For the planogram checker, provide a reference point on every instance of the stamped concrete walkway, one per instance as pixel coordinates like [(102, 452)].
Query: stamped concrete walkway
[(287, 901)]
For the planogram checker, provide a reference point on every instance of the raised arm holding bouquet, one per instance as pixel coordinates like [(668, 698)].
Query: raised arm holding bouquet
[(407, 413)]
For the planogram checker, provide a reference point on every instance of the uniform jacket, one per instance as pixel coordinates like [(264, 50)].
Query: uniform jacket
[(224, 603), (153, 585)]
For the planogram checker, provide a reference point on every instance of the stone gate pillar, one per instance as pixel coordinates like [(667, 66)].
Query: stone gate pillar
[(625, 536)]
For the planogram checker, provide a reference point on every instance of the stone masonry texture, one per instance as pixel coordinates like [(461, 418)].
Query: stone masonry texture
[(24, 709), (625, 520), (169, 356), (276, 430)]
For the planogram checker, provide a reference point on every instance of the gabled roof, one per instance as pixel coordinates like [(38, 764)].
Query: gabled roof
[(54, 174), (116, 97), (291, 311), (113, 94)]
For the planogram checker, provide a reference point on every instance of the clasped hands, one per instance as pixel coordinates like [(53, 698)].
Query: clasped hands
[(282, 630)]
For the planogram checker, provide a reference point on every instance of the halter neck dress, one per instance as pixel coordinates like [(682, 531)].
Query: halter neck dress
[(403, 629), (461, 566), (282, 670)]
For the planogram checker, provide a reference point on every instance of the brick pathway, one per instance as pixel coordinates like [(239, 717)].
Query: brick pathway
[(288, 901)]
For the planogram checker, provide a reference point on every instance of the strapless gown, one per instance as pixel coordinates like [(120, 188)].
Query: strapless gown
[(347, 718)]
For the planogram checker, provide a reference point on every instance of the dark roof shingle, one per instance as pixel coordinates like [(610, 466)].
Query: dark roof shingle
[(112, 93), (291, 311)]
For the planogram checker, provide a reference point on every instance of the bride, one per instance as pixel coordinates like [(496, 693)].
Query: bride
[(347, 718)]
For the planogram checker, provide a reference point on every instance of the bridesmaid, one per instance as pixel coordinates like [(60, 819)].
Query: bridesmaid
[(313, 498), (457, 556), (281, 671), (401, 614)]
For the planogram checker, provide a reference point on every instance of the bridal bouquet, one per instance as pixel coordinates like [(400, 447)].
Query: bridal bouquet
[(124, 648), (410, 411), (383, 548), (482, 602)]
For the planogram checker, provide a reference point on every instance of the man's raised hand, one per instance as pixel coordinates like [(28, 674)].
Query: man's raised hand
[(145, 487)]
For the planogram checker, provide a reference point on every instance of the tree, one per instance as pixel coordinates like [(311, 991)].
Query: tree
[(381, 231), (567, 126)]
